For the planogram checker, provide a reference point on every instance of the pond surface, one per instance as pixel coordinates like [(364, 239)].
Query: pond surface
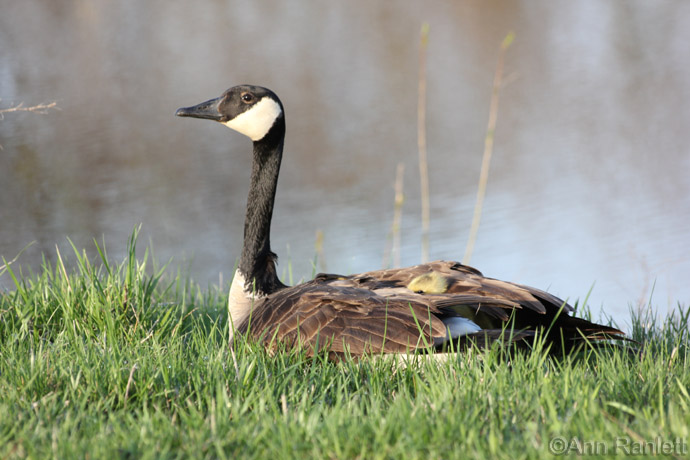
[(589, 186)]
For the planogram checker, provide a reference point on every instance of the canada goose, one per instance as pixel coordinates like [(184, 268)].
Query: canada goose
[(386, 311)]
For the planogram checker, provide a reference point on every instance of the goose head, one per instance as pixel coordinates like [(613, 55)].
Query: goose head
[(257, 113), (249, 110)]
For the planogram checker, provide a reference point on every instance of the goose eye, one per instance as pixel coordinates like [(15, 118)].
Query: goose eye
[(247, 97)]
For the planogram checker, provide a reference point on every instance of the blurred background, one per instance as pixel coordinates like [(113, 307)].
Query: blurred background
[(589, 186)]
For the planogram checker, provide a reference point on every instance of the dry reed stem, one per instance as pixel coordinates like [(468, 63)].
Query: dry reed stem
[(318, 247), (397, 213), (488, 149), (40, 109), (421, 141), (393, 248)]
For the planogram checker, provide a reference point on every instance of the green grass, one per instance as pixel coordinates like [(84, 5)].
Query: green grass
[(107, 360)]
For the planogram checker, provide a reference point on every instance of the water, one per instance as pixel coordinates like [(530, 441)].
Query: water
[(588, 184)]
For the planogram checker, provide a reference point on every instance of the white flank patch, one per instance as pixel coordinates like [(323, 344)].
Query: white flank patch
[(240, 302), (257, 121), (456, 327)]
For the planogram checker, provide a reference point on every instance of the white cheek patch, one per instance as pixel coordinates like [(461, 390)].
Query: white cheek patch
[(257, 121)]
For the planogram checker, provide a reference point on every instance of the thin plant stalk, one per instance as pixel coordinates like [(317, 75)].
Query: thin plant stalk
[(38, 108), (393, 248), (397, 214), (421, 141), (320, 258), (41, 109), (488, 149)]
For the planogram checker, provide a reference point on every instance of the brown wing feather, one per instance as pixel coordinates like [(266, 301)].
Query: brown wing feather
[(318, 315), (376, 312)]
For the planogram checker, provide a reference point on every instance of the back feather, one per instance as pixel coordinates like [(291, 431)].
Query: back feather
[(402, 310)]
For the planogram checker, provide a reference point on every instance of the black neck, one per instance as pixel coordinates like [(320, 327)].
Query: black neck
[(258, 262)]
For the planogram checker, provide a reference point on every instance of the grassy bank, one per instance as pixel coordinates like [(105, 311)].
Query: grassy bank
[(125, 360)]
